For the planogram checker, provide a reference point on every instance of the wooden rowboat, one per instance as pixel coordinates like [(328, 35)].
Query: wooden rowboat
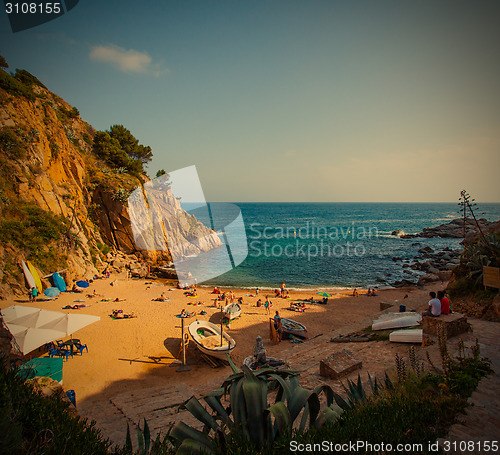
[(207, 338), (294, 328)]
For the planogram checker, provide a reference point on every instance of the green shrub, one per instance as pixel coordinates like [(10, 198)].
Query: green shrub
[(27, 78), (34, 424), (38, 233), (14, 87), (10, 144)]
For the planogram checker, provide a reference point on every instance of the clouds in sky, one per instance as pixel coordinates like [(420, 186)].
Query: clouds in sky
[(127, 61)]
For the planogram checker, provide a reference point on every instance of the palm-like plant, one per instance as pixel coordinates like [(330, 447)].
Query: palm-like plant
[(250, 412)]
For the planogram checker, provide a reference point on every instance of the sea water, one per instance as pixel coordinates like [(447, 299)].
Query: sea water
[(336, 245)]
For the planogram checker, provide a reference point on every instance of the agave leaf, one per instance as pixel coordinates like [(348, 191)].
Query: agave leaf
[(360, 389), (303, 420), (284, 388), (140, 440), (147, 437), (341, 402), (238, 405), (283, 422), (329, 415), (196, 408), (234, 368), (192, 447), (216, 405), (314, 407), (327, 390), (373, 385), (255, 399), (298, 400), (128, 441), (182, 432), (294, 383)]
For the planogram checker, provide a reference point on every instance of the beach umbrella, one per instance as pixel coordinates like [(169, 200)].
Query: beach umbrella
[(82, 284), (36, 319), (324, 294), (28, 338), (52, 292), (70, 323), (16, 311)]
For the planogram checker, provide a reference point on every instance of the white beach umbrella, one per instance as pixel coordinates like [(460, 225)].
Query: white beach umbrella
[(70, 323), (29, 339), (16, 311), (37, 318)]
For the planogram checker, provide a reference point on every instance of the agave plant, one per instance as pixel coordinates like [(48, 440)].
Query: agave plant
[(251, 414), (356, 392)]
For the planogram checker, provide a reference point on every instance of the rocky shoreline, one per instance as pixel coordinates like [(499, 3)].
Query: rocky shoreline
[(436, 265)]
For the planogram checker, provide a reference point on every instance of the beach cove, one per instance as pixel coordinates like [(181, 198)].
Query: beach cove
[(132, 357)]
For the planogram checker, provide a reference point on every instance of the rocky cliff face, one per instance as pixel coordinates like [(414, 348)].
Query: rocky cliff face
[(46, 162)]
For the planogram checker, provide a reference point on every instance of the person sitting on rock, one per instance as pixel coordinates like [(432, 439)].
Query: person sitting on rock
[(434, 308), (445, 303)]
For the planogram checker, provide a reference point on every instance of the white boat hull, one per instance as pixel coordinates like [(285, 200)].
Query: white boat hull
[(232, 311), (406, 336), (408, 320)]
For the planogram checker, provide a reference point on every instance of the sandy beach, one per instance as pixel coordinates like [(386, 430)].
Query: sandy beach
[(134, 354)]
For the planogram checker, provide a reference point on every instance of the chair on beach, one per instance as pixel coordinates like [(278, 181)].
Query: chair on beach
[(81, 347)]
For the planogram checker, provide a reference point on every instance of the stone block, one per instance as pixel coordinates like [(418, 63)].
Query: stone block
[(454, 324), (338, 364)]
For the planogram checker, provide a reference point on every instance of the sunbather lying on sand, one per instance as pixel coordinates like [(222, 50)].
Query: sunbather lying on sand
[(119, 314), (162, 298)]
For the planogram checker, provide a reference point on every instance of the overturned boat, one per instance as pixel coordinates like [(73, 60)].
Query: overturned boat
[(207, 337), (232, 311)]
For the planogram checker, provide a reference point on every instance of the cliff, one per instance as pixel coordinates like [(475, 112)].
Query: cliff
[(61, 206)]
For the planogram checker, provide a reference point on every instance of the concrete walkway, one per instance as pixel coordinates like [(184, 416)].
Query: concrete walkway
[(482, 419)]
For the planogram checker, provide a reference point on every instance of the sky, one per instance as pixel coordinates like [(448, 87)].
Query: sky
[(303, 101)]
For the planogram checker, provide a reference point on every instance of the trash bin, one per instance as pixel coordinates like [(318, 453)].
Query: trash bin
[(72, 397), (402, 308)]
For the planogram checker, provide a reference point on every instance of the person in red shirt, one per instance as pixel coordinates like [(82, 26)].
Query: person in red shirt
[(445, 303)]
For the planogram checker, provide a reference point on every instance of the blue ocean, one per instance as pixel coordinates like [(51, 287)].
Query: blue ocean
[(336, 245)]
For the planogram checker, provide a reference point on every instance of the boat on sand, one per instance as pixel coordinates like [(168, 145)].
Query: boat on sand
[(293, 328), (396, 321), (207, 337), (406, 336), (232, 311)]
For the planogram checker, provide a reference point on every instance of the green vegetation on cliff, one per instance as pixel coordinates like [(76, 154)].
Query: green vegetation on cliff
[(120, 149)]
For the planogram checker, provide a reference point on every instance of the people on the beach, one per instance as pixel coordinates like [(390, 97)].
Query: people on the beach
[(355, 293), (34, 294), (277, 324), (445, 303), (283, 286), (240, 301), (259, 303), (267, 305), (75, 289), (162, 298), (434, 308), (257, 291), (119, 314)]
